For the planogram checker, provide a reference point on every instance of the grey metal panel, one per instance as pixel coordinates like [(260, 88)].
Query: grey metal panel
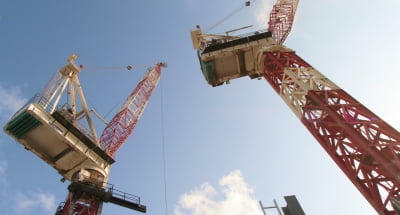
[(293, 206)]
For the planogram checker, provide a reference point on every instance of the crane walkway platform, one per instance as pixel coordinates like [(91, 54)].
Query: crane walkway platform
[(107, 194), (56, 140)]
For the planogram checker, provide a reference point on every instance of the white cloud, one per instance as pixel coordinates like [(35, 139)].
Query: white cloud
[(237, 199), (262, 13), (3, 167), (24, 203), (47, 201), (395, 2), (11, 100), (3, 179)]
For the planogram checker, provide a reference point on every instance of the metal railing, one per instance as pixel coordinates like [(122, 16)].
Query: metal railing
[(122, 195), (63, 110)]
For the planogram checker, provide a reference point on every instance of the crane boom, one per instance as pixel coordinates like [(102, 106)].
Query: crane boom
[(123, 123), (281, 19)]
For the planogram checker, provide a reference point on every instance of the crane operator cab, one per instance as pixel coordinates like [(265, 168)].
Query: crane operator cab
[(225, 57)]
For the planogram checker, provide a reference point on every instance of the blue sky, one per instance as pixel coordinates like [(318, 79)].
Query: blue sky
[(225, 147)]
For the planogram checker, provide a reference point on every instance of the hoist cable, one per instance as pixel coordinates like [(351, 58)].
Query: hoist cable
[(114, 68), (164, 160), (246, 4)]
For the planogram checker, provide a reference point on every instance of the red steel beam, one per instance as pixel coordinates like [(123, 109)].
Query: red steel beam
[(124, 122), (364, 147)]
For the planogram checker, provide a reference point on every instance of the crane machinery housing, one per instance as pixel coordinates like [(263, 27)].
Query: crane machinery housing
[(363, 146), (56, 133)]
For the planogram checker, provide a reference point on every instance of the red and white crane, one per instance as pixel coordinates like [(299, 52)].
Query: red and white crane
[(51, 125), (363, 145), (123, 123)]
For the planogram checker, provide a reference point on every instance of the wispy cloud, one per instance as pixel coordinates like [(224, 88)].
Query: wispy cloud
[(237, 198), (3, 178), (396, 3), (3, 167), (25, 203), (11, 100), (262, 13)]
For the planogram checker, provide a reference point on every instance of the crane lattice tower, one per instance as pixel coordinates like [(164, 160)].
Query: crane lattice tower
[(58, 135), (363, 145)]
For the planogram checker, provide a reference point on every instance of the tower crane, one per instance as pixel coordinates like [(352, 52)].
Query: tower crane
[(57, 133), (362, 145)]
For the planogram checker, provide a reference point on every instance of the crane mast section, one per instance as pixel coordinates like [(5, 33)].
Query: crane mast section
[(124, 122), (364, 146), (296, 82)]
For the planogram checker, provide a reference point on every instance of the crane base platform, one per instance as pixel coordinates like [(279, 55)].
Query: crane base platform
[(109, 195), (57, 141)]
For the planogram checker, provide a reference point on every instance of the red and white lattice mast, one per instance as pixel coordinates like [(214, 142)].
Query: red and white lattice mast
[(123, 123), (363, 145), (51, 125)]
